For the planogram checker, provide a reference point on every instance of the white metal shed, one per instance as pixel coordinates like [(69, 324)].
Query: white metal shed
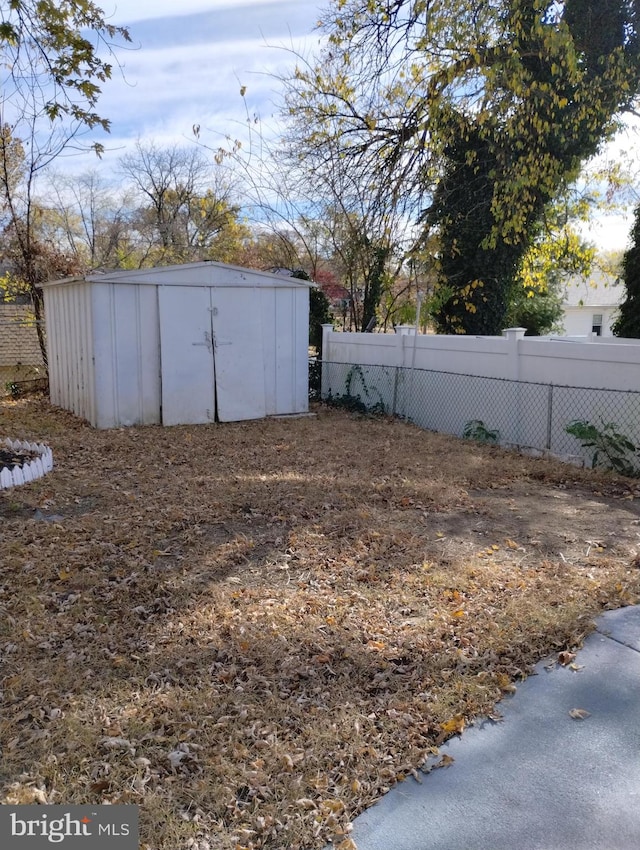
[(178, 345)]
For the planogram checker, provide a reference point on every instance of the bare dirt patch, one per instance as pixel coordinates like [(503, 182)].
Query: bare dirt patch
[(253, 630)]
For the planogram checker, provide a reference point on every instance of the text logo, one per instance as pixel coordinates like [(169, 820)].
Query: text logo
[(38, 827)]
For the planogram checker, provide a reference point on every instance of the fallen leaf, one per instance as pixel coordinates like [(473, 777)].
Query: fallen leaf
[(347, 844), (445, 761), (455, 725), (117, 744), (196, 635), (505, 684), (565, 658), (334, 806), (579, 713)]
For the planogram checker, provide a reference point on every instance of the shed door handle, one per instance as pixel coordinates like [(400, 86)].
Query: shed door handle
[(207, 341)]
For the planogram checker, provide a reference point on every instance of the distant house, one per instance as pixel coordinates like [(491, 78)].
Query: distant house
[(591, 303), (20, 356), (338, 295)]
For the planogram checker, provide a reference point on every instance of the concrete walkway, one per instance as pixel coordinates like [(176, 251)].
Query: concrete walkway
[(537, 780)]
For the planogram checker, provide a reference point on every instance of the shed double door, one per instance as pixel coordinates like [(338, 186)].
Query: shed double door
[(211, 355)]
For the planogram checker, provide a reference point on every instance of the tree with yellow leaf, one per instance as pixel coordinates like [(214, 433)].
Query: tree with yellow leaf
[(557, 253), (482, 111)]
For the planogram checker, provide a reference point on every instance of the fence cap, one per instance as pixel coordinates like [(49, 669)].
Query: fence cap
[(512, 333)]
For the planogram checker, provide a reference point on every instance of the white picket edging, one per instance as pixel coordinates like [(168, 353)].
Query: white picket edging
[(29, 471)]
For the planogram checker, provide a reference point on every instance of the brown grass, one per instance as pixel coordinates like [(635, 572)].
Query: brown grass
[(253, 630)]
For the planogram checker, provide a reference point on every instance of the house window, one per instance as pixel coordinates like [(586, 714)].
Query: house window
[(596, 324)]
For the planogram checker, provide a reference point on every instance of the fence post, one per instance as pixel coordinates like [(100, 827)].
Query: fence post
[(513, 336), (394, 403), (325, 387), (512, 372), (549, 415), (406, 336), (327, 330)]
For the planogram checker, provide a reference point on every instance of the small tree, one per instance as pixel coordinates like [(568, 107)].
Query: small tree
[(185, 208), (539, 311), (319, 315), (51, 78), (627, 323)]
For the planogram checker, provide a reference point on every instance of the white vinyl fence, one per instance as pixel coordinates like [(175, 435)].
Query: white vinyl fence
[(525, 390)]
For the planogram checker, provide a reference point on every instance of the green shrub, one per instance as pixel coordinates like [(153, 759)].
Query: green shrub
[(610, 449), (476, 430)]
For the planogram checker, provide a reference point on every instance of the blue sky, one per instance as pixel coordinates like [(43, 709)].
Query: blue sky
[(187, 68)]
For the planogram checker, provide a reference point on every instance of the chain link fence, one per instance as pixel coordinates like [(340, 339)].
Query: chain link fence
[(515, 414)]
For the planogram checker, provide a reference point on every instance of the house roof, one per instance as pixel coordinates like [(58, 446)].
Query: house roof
[(597, 290), (191, 274), (336, 292), (18, 336)]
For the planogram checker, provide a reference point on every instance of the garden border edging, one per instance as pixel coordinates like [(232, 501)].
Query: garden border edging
[(29, 471)]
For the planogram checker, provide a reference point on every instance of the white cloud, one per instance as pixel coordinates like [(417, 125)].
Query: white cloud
[(609, 232), (127, 11), (188, 68)]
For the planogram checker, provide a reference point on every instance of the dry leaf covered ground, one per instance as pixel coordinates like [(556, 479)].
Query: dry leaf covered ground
[(253, 630)]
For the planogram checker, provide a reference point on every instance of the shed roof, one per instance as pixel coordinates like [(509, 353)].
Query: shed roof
[(192, 274)]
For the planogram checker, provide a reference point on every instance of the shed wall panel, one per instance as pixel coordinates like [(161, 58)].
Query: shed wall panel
[(300, 351), (103, 322), (149, 327), (188, 379), (127, 355), (285, 344), (85, 396), (239, 353), (269, 319), (69, 349)]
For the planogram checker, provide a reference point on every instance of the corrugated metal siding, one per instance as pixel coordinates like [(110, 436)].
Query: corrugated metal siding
[(127, 354), (300, 353), (284, 338), (286, 343), (268, 311), (69, 348)]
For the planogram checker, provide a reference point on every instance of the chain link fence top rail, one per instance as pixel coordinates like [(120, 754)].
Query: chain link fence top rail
[(515, 414)]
